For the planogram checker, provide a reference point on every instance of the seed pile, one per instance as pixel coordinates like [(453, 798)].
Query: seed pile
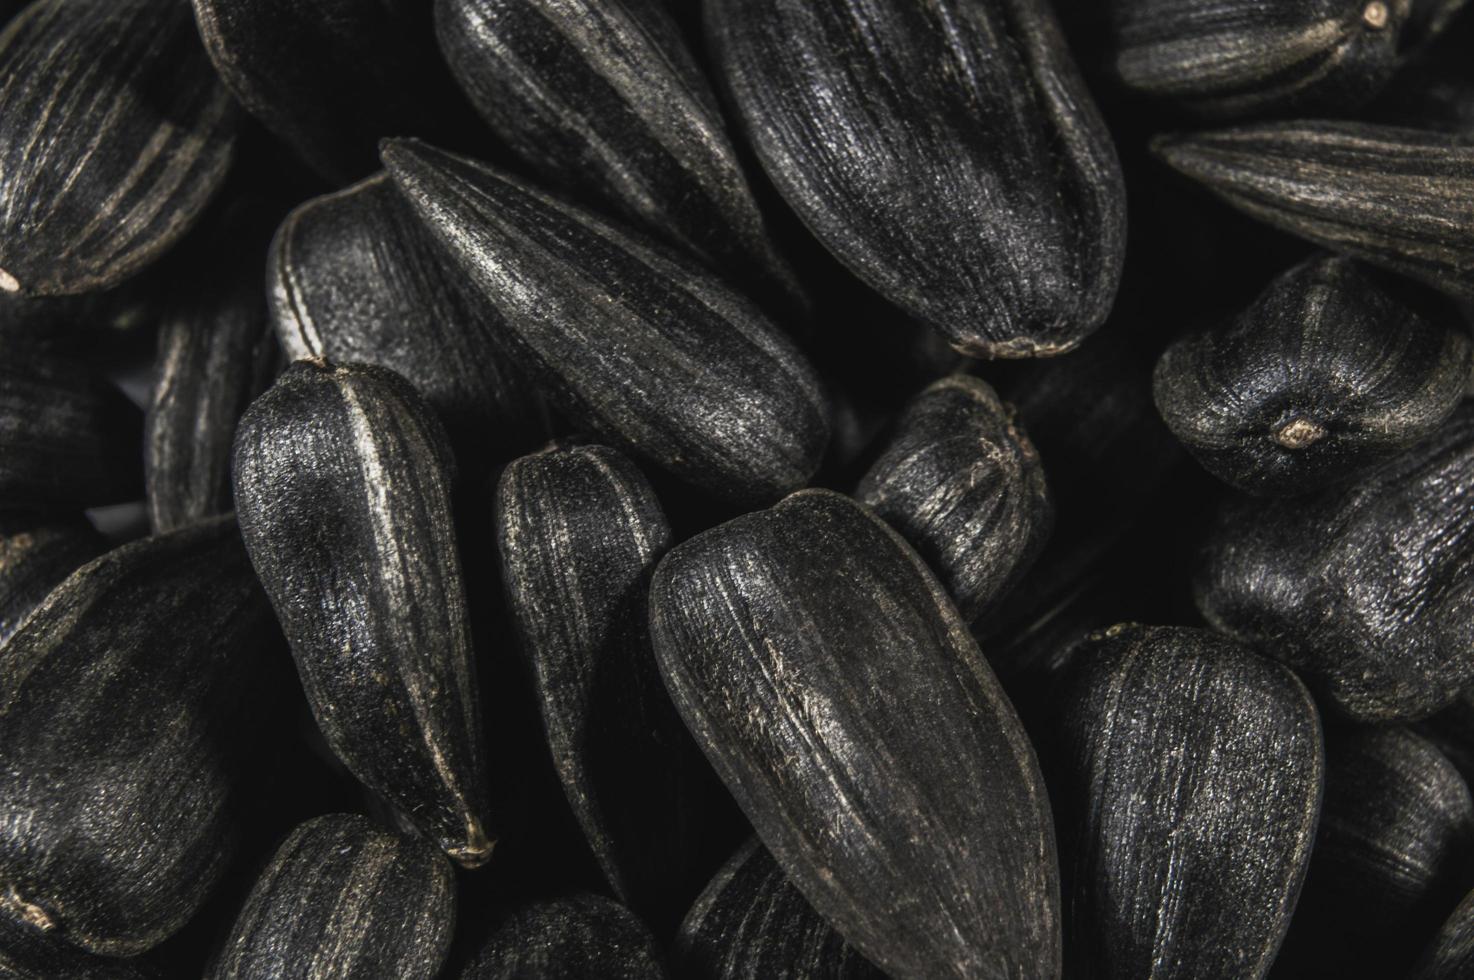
[(738, 490)]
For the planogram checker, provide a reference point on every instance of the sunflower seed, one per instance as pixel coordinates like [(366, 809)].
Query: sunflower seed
[(948, 154), (114, 134), (834, 687), (1323, 377), (567, 939), (1452, 732), (632, 340), (342, 484), (26, 954), (962, 483), (1367, 591), (603, 96), (353, 279), (751, 924), (1195, 770), (120, 699), (343, 898), (1451, 954), (36, 554), (1398, 198)]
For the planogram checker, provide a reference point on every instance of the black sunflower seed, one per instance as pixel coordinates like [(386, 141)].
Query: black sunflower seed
[(35, 554), (751, 924), (26, 954), (1323, 377), (342, 484), (948, 154), (1450, 956), (1366, 590), (834, 687), (1399, 198), (567, 939), (344, 898), (631, 339), (1195, 771), (120, 701), (962, 483), (114, 134)]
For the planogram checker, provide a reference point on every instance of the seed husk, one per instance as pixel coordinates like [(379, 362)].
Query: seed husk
[(1324, 376), (36, 553), (1450, 956), (947, 154), (830, 681), (1398, 198), (567, 939), (1195, 771), (630, 339), (342, 483), (353, 278), (751, 924), (114, 135), (605, 98), (120, 704), (26, 954), (962, 483), (344, 898), (1366, 590)]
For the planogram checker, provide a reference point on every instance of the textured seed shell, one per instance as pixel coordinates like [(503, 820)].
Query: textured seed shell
[(1367, 591), (342, 484), (119, 701), (751, 924), (603, 96), (836, 691), (1323, 377), (1247, 57), (1398, 198), (1196, 771), (353, 278), (26, 954), (962, 483), (1451, 954), (35, 555), (631, 339), (947, 153), (579, 531), (114, 134), (568, 939), (343, 898)]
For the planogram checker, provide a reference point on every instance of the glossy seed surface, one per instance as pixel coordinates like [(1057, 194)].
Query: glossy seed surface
[(567, 939)]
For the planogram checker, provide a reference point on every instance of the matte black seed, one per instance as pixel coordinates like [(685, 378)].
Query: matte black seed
[(962, 483), (948, 154), (1366, 590), (835, 689), (568, 939), (1325, 376), (114, 134), (344, 898), (1195, 771), (1399, 198), (631, 339), (342, 484), (1450, 956), (36, 553), (120, 701), (751, 924)]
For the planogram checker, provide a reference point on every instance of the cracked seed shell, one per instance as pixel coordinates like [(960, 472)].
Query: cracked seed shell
[(37, 553), (567, 939)]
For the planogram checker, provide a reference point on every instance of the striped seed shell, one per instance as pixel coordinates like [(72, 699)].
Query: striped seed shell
[(947, 153), (604, 97), (631, 339), (579, 531), (1450, 956), (353, 278), (36, 553), (342, 484), (344, 898), (1247, 57), (1323, 377), (121, 699), (837, 692), (1196, 771), (962, 483), (114, 135), (1366, 590), (752, 924), (570, 938), (1398, 198)]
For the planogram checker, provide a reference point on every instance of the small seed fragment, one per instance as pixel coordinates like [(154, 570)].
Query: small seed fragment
[(35, 555), (567, 939)]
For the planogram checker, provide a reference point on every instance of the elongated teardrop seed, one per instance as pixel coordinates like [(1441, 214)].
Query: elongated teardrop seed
[(342, 484), (836, 691), (35, 555), (568, 939)]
